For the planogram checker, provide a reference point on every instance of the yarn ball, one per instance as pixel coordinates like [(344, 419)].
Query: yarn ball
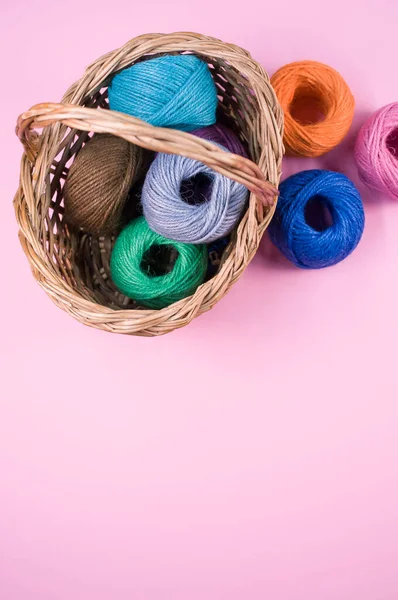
[(98, 183), (222, 136), (141, 270), (187, 201), (376, 150), (167, 91), (319, 218), (318, 107), (215, 252)]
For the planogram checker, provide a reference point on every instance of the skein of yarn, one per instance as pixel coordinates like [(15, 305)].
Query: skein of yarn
[(98, 183), (175, 91), (376, 150), (141, 270), (318, 107), (185, 200), (319, 218)]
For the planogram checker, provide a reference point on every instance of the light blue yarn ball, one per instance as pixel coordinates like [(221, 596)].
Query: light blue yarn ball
[(319, 218), (167, 211), (174, 91)]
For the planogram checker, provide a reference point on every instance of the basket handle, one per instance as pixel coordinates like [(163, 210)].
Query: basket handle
[(157, 139)]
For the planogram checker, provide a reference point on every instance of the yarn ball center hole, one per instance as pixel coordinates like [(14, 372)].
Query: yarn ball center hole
[(159, 260), (196, 190), (308, 107), (392, 142), (317, 213)]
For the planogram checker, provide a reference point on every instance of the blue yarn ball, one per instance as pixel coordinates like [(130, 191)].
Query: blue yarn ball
[(186, 201), (215, 252), (175, 91), (319, 218)]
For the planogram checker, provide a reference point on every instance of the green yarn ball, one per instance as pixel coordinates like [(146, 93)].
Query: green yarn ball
[(136, 279)]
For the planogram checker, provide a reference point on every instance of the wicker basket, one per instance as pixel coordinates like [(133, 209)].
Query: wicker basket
[(73, 268)]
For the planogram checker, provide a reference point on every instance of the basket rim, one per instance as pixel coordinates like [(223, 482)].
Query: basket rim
[(55, 118)]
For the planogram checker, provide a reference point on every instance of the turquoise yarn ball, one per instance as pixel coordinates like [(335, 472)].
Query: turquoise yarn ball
[(134, 277), (167, 91)]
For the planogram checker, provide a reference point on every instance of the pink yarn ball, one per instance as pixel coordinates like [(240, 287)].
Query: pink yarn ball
[(376, 150)]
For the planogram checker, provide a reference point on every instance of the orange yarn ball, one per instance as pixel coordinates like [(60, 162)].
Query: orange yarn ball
[(318, 107)]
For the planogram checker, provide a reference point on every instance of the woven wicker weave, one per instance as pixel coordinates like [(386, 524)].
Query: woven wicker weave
[(72, 267)]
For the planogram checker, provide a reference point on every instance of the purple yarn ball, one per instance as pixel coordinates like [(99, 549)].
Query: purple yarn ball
[(223, 136)]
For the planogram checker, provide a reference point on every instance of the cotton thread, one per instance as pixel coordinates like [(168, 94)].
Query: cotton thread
[(137, 281), (319, 218), (98, 183), (312, 82), (179, 209), (376, 150), (175, 91)]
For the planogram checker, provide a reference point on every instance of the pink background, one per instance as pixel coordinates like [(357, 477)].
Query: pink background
[(250, 455)]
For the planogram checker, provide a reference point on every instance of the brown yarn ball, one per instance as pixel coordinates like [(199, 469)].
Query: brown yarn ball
[(99, 181)]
